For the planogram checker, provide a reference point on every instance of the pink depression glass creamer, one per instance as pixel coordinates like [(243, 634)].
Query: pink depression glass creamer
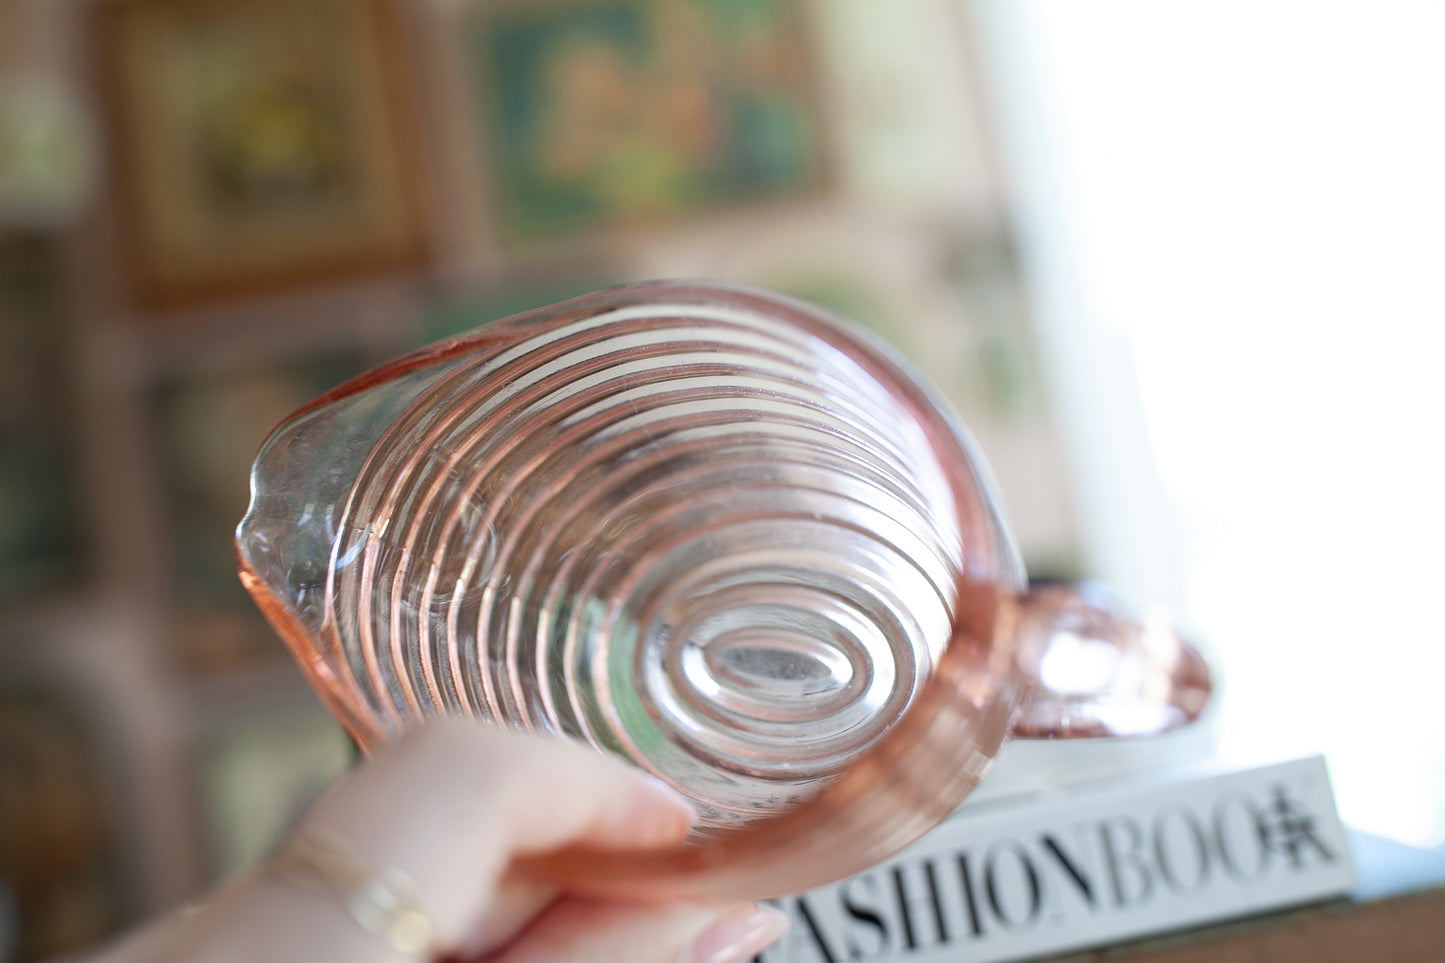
[(708, 529)]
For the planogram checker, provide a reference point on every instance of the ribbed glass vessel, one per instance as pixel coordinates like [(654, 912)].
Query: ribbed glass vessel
[(706, 528)]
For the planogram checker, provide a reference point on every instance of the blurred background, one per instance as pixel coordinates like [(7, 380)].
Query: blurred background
[(1177, 265)]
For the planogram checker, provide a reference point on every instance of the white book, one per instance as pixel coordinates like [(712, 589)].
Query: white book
[(1067, 871)]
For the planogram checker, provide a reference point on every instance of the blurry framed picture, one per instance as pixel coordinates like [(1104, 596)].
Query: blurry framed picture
[(951, 298), (41, 514), (207, 429), (258, 143), (61, 855), (607, 114)]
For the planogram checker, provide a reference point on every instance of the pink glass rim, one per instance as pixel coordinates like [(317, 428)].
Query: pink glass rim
[(860, 817)]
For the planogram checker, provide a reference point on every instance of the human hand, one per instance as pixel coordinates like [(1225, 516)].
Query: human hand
[(453, 806)]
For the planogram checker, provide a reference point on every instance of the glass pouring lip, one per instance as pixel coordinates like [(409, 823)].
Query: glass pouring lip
[(860, 816)]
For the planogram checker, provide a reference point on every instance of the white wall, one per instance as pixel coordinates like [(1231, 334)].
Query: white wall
[(1234, 214)]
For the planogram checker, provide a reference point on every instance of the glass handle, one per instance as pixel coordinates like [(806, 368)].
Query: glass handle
[(1096, 669)]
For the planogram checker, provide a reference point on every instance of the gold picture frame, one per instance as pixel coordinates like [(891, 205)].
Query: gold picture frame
[(258, 144)]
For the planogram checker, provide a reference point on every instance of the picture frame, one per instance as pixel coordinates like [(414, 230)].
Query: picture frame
[(61, 850), (949, 297), (607, 117), (259, 144), (206, 427), (43, 546)]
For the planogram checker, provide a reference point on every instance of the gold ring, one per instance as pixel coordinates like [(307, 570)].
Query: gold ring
[(384, 901)]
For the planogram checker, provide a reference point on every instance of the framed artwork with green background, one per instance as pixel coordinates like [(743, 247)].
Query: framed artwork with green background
[(606, 114)]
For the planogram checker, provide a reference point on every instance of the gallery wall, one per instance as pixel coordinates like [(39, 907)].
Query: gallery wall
[(212, 211)]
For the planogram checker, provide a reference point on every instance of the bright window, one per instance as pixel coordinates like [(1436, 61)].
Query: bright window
[(1235, 217)]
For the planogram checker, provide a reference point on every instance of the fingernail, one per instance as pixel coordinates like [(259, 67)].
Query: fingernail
[(739, 936)]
